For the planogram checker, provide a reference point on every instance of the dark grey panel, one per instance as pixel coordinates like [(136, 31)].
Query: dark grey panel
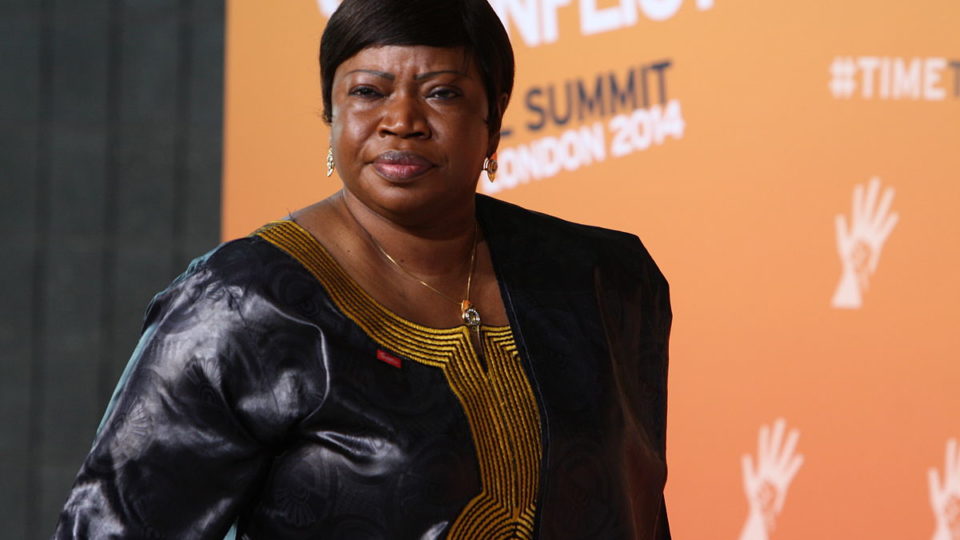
[(80, 53), (20, 50), (13, 8), (200, 197), (20, 137), (72, 340), (110, 143), (16, 314), (71, 352), (145, 174)]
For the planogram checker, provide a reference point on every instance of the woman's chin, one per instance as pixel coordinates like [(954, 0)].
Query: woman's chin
[(414, 201)]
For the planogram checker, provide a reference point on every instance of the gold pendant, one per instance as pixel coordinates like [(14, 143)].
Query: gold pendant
[(469, 314), (471, 318)]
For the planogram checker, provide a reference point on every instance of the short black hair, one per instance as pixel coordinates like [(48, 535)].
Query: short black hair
[(471, 24)]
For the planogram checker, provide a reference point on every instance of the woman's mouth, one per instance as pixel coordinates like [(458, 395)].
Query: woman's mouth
[(397, 165)]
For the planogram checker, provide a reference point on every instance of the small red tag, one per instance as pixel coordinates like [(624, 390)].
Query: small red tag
[(384, 356)]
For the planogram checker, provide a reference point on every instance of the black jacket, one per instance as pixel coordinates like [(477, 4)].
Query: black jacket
[(251, 398)]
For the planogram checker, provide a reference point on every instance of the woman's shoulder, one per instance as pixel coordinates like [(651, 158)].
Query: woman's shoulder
[(551, 227), (245, 277), (235, 262), (552, 236), (249, 262)]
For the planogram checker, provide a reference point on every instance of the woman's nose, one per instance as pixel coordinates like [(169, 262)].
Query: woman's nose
[(404, 117)]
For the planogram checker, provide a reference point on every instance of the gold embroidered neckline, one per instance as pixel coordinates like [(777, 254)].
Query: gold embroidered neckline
[(307, 243), (497, 399)]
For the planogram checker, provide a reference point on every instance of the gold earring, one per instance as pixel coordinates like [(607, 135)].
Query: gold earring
[(330, 164), (490, 165)]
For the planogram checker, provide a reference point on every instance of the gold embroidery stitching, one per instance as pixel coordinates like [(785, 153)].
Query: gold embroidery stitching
[(499, 403)]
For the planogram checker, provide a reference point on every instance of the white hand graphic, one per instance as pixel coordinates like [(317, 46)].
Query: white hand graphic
[(327, 7), (860, 244), (766, 484), (945, 496)]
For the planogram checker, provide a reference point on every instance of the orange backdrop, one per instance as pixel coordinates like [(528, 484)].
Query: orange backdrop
[(747, 127)]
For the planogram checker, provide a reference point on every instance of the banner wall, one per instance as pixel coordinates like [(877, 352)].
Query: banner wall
[(793, 168)]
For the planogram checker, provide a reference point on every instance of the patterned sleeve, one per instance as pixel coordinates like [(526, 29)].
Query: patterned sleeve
[(635, 305), (187, 433), (657, 317)]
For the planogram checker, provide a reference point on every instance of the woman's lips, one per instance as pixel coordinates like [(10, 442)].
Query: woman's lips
[(397, 165)]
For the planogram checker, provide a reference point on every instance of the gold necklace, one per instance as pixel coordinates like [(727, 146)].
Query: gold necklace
[(468, 314)]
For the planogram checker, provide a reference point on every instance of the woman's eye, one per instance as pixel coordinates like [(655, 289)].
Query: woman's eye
[(364, 91), (444, 93)]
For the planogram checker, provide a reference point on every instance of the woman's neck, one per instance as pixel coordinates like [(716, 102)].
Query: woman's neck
[(435, 247)]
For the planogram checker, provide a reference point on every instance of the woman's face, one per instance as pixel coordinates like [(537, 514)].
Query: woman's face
[(409, 130)]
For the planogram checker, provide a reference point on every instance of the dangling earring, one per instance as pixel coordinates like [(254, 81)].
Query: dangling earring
[(490, 165), (330, 164)]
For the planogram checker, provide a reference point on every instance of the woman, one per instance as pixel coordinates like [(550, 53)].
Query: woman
[(404, 359)]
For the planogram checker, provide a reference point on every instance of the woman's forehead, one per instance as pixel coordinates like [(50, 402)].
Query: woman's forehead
[(410, 60)]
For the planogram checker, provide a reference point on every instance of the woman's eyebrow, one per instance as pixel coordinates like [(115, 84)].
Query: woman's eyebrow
[(430, 74), (383, 74), (418, 77)]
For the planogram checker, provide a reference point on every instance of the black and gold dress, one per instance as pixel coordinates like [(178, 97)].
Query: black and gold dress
[(270, 391)]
